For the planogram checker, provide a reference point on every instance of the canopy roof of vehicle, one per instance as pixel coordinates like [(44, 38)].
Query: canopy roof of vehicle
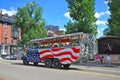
[(55, 39)]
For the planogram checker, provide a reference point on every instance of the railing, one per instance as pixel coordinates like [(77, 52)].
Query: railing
[(9, 20)]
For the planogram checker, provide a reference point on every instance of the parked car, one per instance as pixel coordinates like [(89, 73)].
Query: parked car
[(10, 57)]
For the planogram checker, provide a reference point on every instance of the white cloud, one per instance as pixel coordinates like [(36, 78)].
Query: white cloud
[(63, 29), (105, 2), (108, 12), (67, 14), (100, 32), (98, 15), (98, 22), (10, 12)]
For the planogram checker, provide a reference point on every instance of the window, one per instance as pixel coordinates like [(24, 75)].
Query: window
[(5, 32), (5, 25), (11, 41), (6, 16), (6, 49), (67, 40), (5, 40)]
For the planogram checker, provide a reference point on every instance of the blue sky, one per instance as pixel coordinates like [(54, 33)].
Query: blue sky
[(55, 12)]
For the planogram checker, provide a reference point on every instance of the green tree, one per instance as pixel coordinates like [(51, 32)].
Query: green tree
[(114, 20), (29, 20), (82, 12)]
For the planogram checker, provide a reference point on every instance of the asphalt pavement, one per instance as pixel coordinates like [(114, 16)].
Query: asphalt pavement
[(15, 70), (98, 67), (88, 66)]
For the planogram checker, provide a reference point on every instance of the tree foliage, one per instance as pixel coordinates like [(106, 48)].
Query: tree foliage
[(29, 20), (82, 12), (114, 20)]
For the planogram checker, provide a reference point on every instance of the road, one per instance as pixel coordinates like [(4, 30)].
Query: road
[(15, 70)]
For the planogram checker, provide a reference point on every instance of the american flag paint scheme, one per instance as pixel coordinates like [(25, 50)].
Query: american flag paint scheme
[(65, 55), (59, 55)]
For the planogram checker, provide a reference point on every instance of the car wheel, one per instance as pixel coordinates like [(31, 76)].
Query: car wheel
[(56, 64), (35, 63), (25, 62), (48, 62)]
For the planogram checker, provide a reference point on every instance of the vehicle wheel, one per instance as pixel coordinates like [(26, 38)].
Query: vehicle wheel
[(25, 62), (56, 64), (66, 66), (48, 63), (35, 63)]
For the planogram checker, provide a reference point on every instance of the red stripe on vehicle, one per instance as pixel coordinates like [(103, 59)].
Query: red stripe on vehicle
[(66, 53), (43, 51), (65, 59), (76, 50), (47, 56)]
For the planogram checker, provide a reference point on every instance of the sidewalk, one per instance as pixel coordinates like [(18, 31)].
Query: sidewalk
[(100, 68), (95, 64)]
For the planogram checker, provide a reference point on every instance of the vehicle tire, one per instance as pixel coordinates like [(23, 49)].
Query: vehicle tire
[(35, 63), (25, 62), (66, 66), (56, 64), (48, 62)]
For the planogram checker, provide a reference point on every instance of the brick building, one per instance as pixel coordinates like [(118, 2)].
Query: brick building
[(7, 37), (53, 31)]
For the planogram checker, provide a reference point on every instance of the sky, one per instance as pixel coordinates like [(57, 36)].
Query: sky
[(56, 12)]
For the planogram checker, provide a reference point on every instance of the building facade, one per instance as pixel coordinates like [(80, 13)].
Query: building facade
[(53, 31), (109, 45), (52, 28), (7, 40)]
